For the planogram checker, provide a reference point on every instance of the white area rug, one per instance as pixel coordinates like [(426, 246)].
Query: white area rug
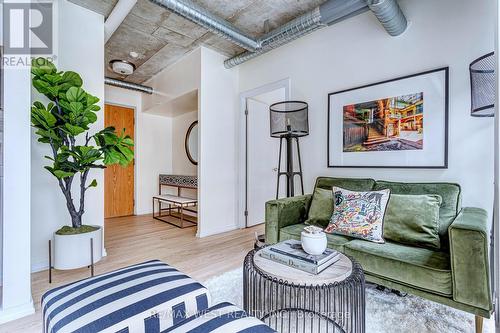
[(385, 311)]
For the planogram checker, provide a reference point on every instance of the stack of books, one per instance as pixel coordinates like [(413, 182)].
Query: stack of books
[(290, 253)]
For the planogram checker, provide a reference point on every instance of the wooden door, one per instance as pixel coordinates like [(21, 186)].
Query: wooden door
[(119, 181)]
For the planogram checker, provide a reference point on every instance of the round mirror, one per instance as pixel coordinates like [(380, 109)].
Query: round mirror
[(192, 143)]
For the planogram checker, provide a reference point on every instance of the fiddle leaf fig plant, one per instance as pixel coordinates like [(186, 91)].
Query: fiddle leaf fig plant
[(64, 124)]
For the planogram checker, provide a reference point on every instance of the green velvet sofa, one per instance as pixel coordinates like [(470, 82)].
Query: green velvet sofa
[(456, 275)]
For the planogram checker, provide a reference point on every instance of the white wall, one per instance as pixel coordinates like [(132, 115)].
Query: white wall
[(176, 80), (154, 158), (15, 270), (81, 49), (217, 168), (16, 279), (181, 165), (217, 87), (176, 95), (180, 161), (358, 51), (153, 146)]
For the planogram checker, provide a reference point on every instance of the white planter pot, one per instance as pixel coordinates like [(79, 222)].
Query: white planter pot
[(73, 251), (314, 244)]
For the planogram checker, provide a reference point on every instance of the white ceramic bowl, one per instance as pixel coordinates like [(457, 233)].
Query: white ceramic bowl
[(314, 244)]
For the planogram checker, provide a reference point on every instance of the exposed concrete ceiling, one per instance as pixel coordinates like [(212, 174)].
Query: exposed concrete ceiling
[(161, 37)]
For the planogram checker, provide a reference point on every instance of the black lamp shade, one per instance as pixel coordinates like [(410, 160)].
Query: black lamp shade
[(482, 81), (289, 119)]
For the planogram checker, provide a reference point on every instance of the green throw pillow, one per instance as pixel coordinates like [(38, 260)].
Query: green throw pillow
[(413, 220), (321, 209)]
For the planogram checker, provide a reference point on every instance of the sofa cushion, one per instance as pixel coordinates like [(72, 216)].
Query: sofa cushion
[(321, 208), (353, 184), (449, 192), (293, 232), (413, 220), (359, 214), (419, 268)]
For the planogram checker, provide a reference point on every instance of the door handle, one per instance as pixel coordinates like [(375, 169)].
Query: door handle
[(275, 169)]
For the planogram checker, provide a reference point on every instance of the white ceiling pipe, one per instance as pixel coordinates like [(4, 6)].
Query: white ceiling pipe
[(118, 14)]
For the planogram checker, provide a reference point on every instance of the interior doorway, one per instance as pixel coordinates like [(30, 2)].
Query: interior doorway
[(119, 182), (259, 152)]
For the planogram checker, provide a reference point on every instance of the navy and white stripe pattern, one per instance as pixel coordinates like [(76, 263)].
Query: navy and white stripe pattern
[(221, 318), (147, 297)]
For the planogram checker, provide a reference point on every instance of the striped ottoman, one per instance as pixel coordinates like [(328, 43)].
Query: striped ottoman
[(221, 318), (147, 297)]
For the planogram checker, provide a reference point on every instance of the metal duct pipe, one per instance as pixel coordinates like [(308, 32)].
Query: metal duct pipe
[(390, 15), (387, 11), (330, 12), (292, 30), (335, 11), (128, 85), (299, 26), (200, 16)]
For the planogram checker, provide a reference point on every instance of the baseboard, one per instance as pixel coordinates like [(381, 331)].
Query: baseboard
[(17, 312), (220, 230), (43, 265), (39, 266), (144, 212)]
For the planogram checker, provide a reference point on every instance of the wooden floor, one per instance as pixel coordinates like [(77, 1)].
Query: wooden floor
[(130, 240)]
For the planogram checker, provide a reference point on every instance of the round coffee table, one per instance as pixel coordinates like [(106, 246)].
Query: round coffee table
[(290, 300)]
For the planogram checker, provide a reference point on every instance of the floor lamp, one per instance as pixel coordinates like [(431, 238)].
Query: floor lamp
[(482, 81), (483, 96), (289, 122)]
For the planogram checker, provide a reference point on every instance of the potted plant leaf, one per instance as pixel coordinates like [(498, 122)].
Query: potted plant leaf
[(64, 124)]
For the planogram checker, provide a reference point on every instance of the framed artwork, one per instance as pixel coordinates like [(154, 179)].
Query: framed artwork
[(398, 123)]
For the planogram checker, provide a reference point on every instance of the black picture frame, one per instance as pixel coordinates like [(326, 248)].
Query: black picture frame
[(446, 122)]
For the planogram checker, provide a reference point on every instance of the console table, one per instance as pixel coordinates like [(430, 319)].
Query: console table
[(177, 202)]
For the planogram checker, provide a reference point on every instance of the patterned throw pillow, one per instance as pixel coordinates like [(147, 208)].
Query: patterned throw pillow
[(359, 214)]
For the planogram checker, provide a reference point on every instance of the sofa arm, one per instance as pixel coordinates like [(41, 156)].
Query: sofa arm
[(469, 253), (284, 212)]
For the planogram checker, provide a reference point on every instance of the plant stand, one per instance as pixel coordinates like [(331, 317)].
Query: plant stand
[(91, 259)]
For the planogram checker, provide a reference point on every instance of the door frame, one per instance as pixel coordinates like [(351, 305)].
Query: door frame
[(135, 147), (243, 140)]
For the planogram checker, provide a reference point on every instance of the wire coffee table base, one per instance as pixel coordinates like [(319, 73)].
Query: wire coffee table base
[(291, 307)]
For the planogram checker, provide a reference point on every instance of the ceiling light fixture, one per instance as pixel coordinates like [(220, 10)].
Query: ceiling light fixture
[(122, 67)]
